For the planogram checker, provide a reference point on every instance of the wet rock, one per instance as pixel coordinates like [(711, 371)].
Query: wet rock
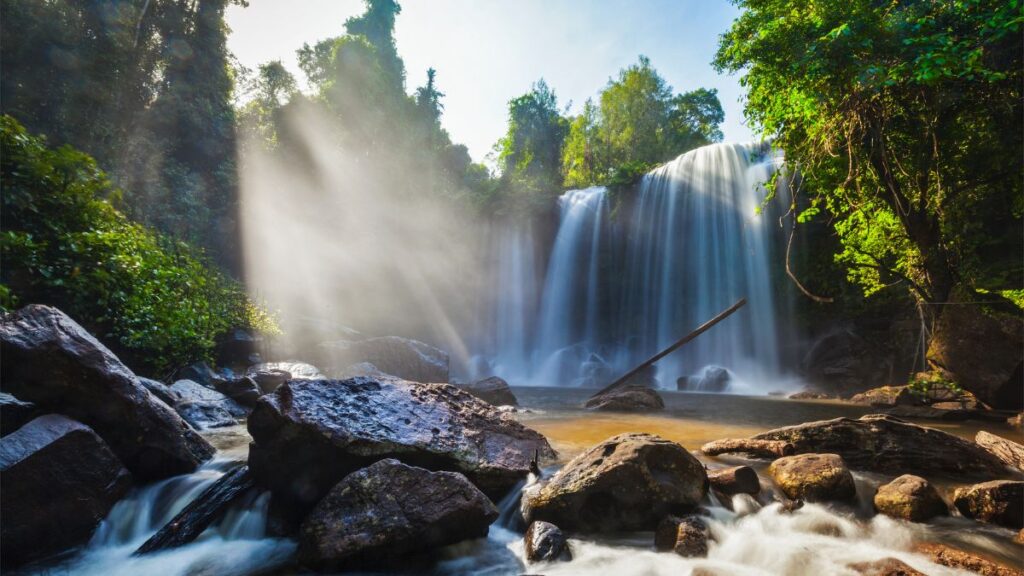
[(883, 444), (758, 448), (735, 480), (243, 390), (814, 477), (1010, 452), (363, 369), (295, 370), (311, 433), (628, 482), (594, 373), (687, 536), (236, 347), (953, 558), (810, 395), (50, 360), (997, 502), (1016, 421), (269, 380), (544, 542), (965, 333), (627, 399), (712, 379), (59, 480), (910, 498), (192, 392), (402, 357), (14, 413), (201, 373), (389, 510), (645, 378), (887, 396), (492, 390), (205, 415), (886, 567), (162, 391)]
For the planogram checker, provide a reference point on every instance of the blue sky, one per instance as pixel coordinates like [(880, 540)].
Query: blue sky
[(487, 52)]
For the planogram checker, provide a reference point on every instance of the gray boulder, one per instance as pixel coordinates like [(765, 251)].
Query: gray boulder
[(627, 399), (492, 390), (14, 413), (160, 390), (544, 542), (910, 498), (193, 392), (402, 357)]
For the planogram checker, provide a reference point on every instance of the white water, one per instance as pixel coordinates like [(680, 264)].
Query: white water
[(619, 289)]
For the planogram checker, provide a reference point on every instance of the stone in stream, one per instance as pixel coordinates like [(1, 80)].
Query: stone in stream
[(295, 370), (954, 558), (1010, 452), (713, 379), (59, 480), (160, 390), (205, 415), (687, 536), (728, 482), (493, 390), (885, 444), (628, 482), (627, 399), (545, 542), (387, 511), (814, 477), (243, 390), (996, 502), (886, 567), (50, 360), (310, 434), (14, 413), (190, 391), (910, 498), (401, 357), (200, 513)]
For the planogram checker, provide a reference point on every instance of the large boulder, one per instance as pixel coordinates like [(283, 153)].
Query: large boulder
[(627, 399), (160, 390), (389, 510), (50, 360), (545, 542), (15, 413), (910, 498), (814, 478), (192, 392), (887, 396), (493, 390), (401, 357), (309, 434), (883, 444), (712, 379), (59, 480), (842, 363), (628, 482), (997, 502), (1010, 452), (981, 350)]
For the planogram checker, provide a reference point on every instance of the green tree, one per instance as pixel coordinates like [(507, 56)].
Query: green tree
[(530, 153), (903, 120), (272, 87)]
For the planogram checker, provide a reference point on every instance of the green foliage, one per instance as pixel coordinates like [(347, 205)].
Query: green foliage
[(152, 298), (903, 119)]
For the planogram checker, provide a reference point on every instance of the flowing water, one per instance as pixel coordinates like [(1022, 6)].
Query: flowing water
[(755, 538), (623, 283)]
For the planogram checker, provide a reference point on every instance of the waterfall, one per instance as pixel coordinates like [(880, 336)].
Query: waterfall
[(694, 236)]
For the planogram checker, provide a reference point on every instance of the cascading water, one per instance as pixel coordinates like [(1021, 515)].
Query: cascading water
[(691, 241)]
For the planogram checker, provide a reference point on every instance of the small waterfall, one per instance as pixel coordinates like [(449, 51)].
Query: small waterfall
[(515, 291), (694, 236)]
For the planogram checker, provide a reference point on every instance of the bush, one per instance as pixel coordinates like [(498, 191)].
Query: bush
[(157, 301)]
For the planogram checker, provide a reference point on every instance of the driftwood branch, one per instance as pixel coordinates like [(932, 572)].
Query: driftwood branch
[(679, 343), (759, 448)]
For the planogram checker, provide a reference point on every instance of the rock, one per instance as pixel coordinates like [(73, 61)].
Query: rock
[(996, 502), (1019, 537), (236, 347), (1010, 452), (544, 542), (191, 392), (887, 396), (810, 395), (964, 334), (594, 373), (886, 567), (713, 379), (882, 444), (686, 536), (910, 498), (627, 399), (201, 373), (200, 513), (363, 369), (50, 360), (953, 558), (492, 390), (205, 415), (311, 433), (758, 448), (735, 480), (14, 413), (1016, 421), (243, 390), (390, 510), (269, 380), (646, 378), (160, 390), (628, 482), (59, 480), (928, 413), (841, 362), (402, 357), (295, 370), (814, 477)]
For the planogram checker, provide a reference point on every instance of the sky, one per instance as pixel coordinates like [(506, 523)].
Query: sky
[(488, 52)]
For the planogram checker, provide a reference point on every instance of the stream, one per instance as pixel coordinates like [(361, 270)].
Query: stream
[(752, 539)]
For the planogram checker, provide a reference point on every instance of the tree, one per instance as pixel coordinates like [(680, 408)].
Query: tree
[(634, 110), (903, 121), (530, 153), (272, 88)]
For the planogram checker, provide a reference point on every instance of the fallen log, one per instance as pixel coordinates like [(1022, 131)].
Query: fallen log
[(679, 343), (1010, 452), (200, 513), (759, 448)]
